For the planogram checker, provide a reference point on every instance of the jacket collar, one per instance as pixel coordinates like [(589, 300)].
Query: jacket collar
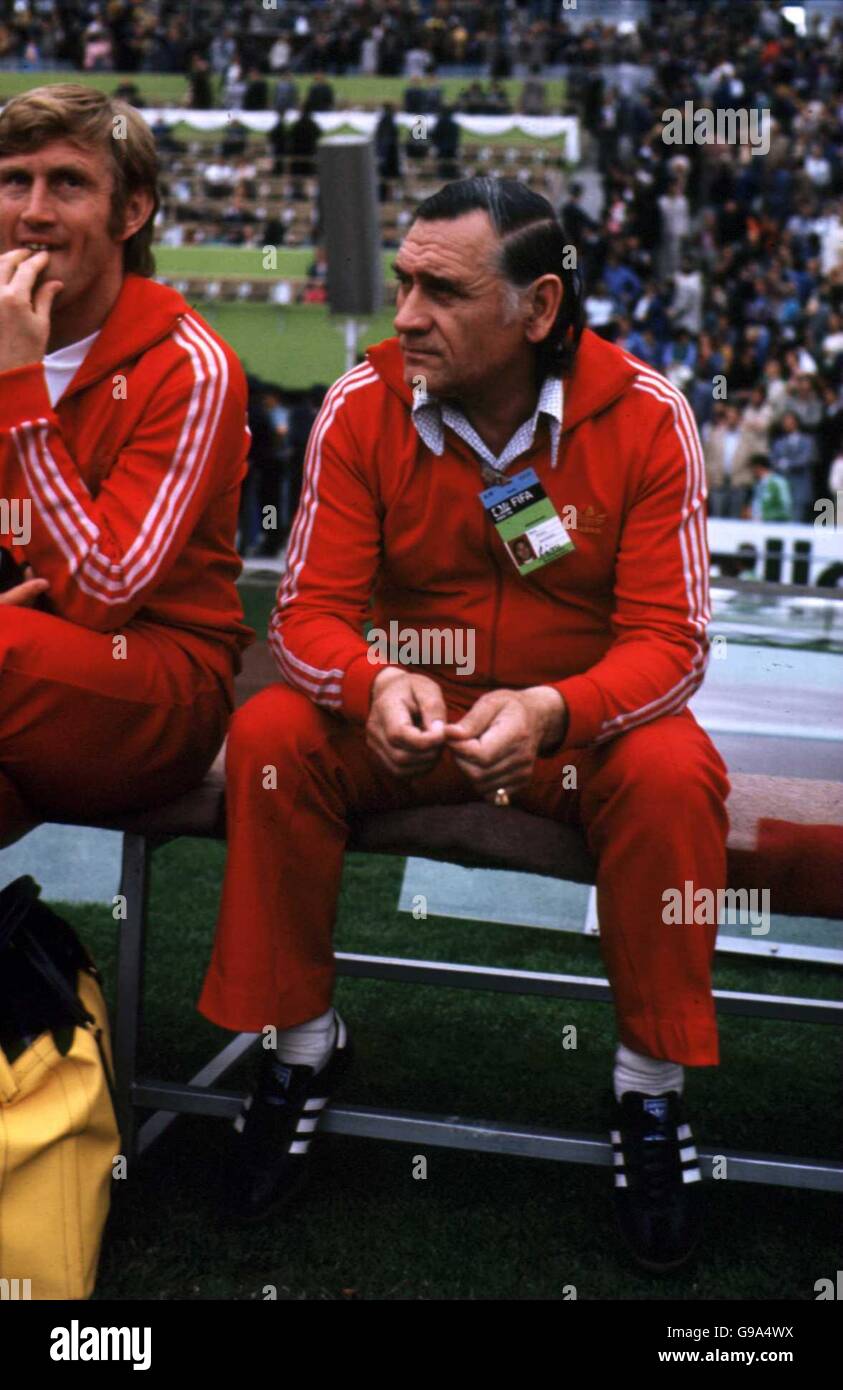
[(430, 417), (600, 375), (143, 313)]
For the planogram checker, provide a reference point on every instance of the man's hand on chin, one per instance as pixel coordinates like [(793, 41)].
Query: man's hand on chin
[(497, 742), (406, 723), (24, 317)]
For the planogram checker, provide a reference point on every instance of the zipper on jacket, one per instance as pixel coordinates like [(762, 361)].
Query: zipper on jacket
[(496, 608)]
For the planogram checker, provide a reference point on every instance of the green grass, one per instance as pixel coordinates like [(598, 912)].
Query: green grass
[(295, 347), (239, 260), (479, 1226), (164, 89), (159, 89)]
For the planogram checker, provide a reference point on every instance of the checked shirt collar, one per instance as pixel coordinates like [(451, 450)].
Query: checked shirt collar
[(430, 417)]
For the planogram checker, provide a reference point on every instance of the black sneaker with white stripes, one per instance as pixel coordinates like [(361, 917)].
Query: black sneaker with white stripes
[(657, 1180), (274, 1130)]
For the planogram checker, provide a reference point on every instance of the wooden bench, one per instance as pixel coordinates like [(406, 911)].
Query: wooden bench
[(776, 826)]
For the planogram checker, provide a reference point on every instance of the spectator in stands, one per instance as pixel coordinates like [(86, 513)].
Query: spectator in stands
[(417, 145), (804, 402), (279, 55), (533, 101), (776, 387), (574, 216), (727, 471), (771, 500), (386, 149), (130, 93), (607, 131), (599, 308), (98, 55), (275, 231), (679, 359), (830, 431), (756, 423), (256, 95), (303, 137), (497, 101), (675, 226), (416, 62), (445, 137), (415, 97), (472, 100), (686, 306), (643, 343), (235, 139), (286, 96), (793, 455), (223, 50), (201, 95), (320, 94), (278, 140), (621, 281)]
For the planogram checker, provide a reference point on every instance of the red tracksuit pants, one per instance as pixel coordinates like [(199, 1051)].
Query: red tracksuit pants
[(91, 728), (651, 803)]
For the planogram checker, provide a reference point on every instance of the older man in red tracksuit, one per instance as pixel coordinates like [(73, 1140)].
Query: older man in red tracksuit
[(123, 441), (583, 664)]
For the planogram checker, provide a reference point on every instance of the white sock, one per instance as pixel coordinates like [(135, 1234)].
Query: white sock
[(308, 1044), (650, 1075)]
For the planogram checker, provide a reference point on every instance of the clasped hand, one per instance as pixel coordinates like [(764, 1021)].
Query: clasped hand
[(495, 744)]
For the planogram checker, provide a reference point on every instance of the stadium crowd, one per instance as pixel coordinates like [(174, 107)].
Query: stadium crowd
[(718, 265)]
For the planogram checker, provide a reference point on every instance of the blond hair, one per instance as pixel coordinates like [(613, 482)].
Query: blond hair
[(92, 120)]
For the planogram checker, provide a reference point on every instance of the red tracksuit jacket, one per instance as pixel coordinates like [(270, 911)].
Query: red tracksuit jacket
[(134, 478), (618, 626)]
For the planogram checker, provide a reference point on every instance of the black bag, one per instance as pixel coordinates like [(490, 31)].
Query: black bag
[(40, 959)]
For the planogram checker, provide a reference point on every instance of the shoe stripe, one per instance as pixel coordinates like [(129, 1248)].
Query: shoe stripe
[(691, 1175), (315, 1102), (299, 1146), (307, 1126)]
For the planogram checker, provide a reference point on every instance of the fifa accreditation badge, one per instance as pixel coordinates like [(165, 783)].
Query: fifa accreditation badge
[(527, 522)]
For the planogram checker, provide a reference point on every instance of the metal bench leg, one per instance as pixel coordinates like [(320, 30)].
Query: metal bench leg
[(134, 886)]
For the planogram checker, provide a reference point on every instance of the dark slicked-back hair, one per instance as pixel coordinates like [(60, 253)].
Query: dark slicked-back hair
[(533, 243)]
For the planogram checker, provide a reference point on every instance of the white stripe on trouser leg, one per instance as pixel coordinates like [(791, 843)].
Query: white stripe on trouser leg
[(683, 1132), (299, 1146), (620, 1180), (692, 1175), (307, 1126), (689, 1152), (315, 1102)]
